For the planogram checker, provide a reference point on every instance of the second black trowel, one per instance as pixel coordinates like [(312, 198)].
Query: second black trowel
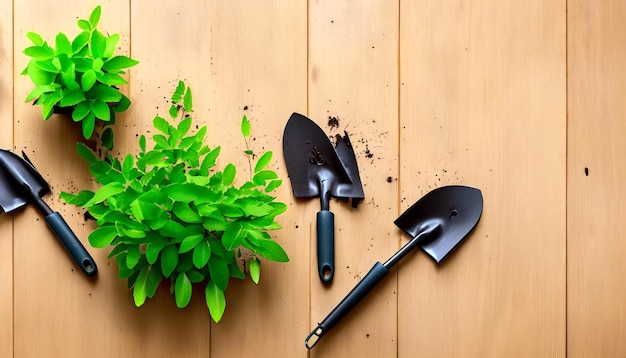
[(20, 184), (318, 169), (437, 223)]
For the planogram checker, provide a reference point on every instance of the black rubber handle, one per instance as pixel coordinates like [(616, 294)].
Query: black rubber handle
[(373, 277), (326, 245), (71, 243)]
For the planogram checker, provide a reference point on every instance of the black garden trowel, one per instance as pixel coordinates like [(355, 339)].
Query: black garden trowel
[(20, 184), (318, 169), (438, 222)]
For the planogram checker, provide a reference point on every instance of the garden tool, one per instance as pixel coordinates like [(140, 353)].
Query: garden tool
[(437, 223), (20, 184), (316, 168)]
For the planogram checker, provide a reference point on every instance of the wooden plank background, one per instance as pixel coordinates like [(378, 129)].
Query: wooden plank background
[(520, 99)]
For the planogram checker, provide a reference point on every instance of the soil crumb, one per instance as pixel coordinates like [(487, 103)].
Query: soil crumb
[(333, 122)]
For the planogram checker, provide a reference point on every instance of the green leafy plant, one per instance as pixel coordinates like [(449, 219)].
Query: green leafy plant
[(171, 215), (79, 77)]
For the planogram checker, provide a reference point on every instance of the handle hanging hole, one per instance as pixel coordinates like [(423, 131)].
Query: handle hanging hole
[(327, 273), (453, 213)]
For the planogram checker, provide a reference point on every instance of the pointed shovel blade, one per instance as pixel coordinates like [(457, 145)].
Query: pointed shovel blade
[(455, 208), (14, 172)]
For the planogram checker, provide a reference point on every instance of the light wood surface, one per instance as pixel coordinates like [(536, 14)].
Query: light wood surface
[(520, 99), (596, 170)]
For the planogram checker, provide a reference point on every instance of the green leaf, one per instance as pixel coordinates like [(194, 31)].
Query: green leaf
[(189, 192), (161, 124), (39, 52), (171, 229), (105, 93), (94, 17), (263, 161), (105, 192), (255, 269), (151, 158), (139, 288), (187, 100), (177, 96), (132, 256), (107, 138), (110, 79), (111, 43), (218, 269), (118, 63), (232, 237), (79, 199), (153, 249), (127, 165), (35, 38), (209, 161), (189, 243), (89, 123), (169, 260), (88, 80), (182, 290), (96, 64), (122, 105), (245, 126), (102, 236), (142, 143), (84, 25), (69, 78), (72, 98), (235, 271), (86, 153), (201, 254), (183, 126), (146, 284), (273, 185), (270, 249), (229, 174), (41, 90), (63, 44), (80, 41), (98, 44), (173, 111), (101, 110), (261, 177), (215, 301), (185, 213), (39, 76)]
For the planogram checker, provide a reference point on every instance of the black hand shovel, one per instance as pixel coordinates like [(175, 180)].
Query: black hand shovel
[(438, 223), (316, 168), (20, 184)]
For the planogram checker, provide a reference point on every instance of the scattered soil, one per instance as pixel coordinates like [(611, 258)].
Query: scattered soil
[(333, 122)]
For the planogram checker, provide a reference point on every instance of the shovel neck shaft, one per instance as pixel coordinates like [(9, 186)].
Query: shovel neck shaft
[(40, 204), (418, 240)]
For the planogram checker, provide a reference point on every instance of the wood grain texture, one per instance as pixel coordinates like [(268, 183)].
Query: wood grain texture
[(6, 142), (596, 171), (483, 104), (353, 76), (520, 99)]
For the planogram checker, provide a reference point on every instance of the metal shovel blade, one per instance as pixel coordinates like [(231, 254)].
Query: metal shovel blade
[(312, 163), (13, 171), (20, 184), (437, 223), (456, 208)]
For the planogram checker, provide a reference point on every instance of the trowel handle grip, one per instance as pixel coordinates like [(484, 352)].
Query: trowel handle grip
[(71, 243), (326, 245), (373, 277)]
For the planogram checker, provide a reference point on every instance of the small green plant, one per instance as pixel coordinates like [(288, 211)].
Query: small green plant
[(80, 76), (171, 215)]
